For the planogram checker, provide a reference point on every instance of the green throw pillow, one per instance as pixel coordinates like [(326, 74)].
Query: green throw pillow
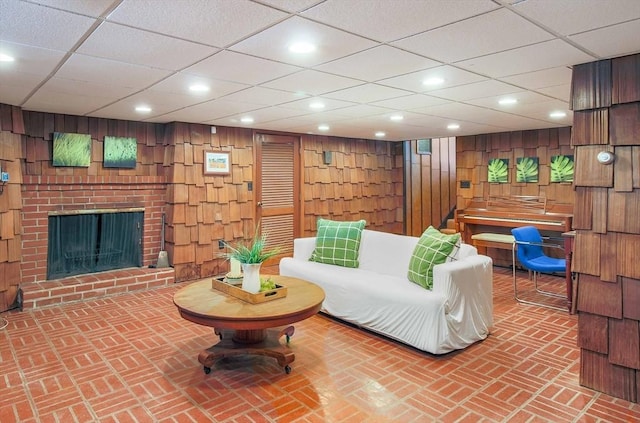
[(433, 248), (338, 242)]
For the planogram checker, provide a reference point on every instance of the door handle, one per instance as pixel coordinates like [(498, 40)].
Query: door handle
[(259, 204)]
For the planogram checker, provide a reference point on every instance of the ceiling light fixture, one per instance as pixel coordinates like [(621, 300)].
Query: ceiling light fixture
[(557, 115), (143, 109), (316, 105), (198, 88), (453, 126), (380, 134), (302, 48), (396, 118), (507, 101), (6, 58), (246, 119), (433, 81), (323, 127)]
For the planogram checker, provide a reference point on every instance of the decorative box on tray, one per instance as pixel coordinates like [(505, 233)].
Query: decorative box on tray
[(236, 291)]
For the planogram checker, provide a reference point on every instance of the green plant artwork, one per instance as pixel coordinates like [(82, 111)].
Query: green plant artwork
[(498, 171), (120, 152), (527, 169), (71, 149), (561, 168)]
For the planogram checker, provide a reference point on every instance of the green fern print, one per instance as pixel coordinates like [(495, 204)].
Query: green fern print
[(498, 171), (527, 169), (561, 168)]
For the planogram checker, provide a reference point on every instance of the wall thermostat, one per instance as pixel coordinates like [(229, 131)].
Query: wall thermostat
[(605, 157)]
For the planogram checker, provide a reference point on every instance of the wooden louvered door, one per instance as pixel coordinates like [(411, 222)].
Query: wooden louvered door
[(277, 189)]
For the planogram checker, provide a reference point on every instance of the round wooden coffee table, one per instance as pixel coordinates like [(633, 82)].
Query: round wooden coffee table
[(246, 328)]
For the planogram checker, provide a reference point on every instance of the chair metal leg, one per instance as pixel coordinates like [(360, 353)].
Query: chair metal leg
[(542, 291), (515, 286)]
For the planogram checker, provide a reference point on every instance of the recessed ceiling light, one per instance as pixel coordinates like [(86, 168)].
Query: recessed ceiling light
[(143, 109), (433, 81), (316, 105), (396, 118), (507, 101), (380, 134), (6, 58), (323, 127), (198, 88), (557, 115), (453, 126), (246, 119), (302, 48)]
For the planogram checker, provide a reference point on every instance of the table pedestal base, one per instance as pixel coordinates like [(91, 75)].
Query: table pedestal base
[(257, 342)]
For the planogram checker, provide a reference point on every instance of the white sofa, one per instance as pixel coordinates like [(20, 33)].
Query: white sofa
[(378, 295)]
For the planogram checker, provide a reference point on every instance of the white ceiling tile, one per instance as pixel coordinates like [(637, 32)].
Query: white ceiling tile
[(367, 93), (573, 16), (273, 43), (292, 5), (599, 41), (212, 22), (40, 26), (180, 82), (92, 8), (109, 72), (409, 102), (549, 54), (378, 63), (542, 78), (124, 44), (16, 86), (237, 67), (523, 98), (305, 104), (205, 112), (474, 90), (388, 20), (560, 92), (263, 96), (311, 82), (447, 44), (62, 98), (28, 59)]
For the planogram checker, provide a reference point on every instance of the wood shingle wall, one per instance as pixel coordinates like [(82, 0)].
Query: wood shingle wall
[(606, 103)]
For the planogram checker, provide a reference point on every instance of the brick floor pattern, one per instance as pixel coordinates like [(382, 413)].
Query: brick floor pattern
[(131, 358)]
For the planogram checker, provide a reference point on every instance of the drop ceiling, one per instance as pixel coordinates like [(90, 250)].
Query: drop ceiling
[(103, 58)]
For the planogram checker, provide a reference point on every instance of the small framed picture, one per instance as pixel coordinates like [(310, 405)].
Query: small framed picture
[(217, 162), (424, 146)]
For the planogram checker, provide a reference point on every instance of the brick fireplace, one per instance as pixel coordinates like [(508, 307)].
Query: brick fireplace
[(44, 196)]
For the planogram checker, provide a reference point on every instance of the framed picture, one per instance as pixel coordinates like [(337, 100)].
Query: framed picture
[(217, 162), (424, 146), (73, 150), (562, 168), (120, 152), (527, 169), (498, 171)]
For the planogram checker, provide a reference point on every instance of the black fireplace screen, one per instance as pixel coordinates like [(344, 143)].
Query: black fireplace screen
[(87, 243)]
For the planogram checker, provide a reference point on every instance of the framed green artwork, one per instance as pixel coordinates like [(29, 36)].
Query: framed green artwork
[(120, 152), (498, 171), (561, 168), (527, 169), (71, 150)]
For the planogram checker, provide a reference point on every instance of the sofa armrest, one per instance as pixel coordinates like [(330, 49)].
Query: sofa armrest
[(303, 247), (468, 286)]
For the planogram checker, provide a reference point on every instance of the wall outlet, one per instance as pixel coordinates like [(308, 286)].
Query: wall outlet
[(221, 244)]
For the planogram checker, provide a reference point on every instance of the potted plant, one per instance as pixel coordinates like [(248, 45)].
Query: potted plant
[(251, 256)]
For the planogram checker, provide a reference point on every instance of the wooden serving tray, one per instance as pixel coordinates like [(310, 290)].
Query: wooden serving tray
[(261, 297)]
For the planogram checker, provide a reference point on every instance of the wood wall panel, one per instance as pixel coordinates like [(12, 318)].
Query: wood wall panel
[(593, 332), (586, 253), (624, 127), (591, 85), (610, 291), (590, 127), (625, 81)]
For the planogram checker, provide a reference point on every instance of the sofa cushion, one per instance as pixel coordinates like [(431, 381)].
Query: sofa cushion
[(338, 242), (432, 248)]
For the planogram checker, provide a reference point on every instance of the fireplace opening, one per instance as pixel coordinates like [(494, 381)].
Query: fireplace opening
[(92, 241)]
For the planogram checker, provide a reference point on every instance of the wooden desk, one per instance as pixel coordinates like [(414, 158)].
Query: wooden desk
[(244, 328)]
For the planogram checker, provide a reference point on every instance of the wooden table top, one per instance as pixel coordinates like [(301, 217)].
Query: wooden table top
[(198, 302)]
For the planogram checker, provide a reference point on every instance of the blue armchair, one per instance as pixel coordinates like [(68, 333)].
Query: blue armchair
[(528, 247)]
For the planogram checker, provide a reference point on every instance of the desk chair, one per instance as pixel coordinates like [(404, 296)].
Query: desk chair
[(528, 246)]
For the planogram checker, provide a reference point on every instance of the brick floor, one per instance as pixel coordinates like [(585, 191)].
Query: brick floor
[(131, 358)]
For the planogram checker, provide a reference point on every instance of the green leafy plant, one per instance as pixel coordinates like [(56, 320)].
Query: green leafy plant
[(253, 252), (527, 169), (498, 171), (561, 168)]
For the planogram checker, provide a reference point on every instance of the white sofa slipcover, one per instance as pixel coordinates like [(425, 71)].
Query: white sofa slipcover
[(378, 295)]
